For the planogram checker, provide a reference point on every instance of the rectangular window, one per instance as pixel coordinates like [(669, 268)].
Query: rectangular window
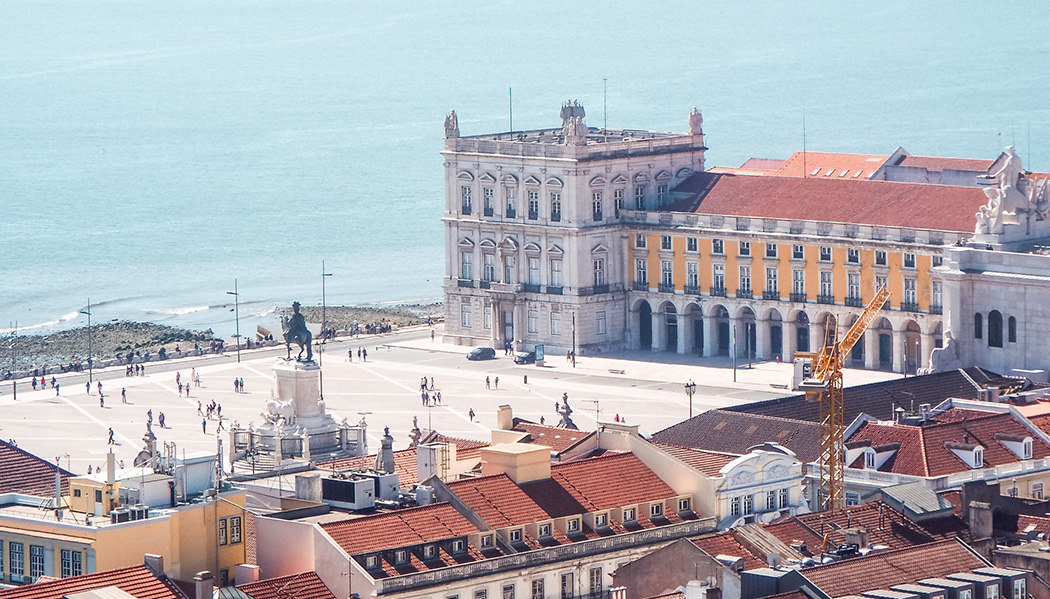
[(1037, 490), (909, 260), (545, 530), (628, 515), (852, 498), (597, 583), (465, 316), (618, 201), (936, 293), (854, 285), (639, 198), (555, 323), (67, 563), (749, 504), (825, 283), (798, 282), (508, 591), (909, 291), (666, 275), (719, 276), (639, 240), (797, 252), (600, 322), (641, 271), (880, 282), (486, 541), (511, 202), (508, 270), (692, 275), (684, 505), (555, 206), (734, 506), (372, 561), (490, 206), (555, 273), (17, 560), (534, 270), (481, 593), (992, 591), (825, 253), (537, 588), (466, 200), (534, 205), (235, 530), (783, 493), (458, 546), (661, 194), (36, 561), (771, 281), (466, 266), (880, 258), (534, 321), (938, 260), (692, 244), (568, 587), (771, 250), (488, 273), (601, 520), (599, 272), (656, 509), (1020, 588), (487, 317), (223, 536), (966, 594), (771, 500), (429, 551), (853, 256), (573, 525), (718, 246), (745, 248), (665, 242), (596, 205), (515, 535), (745, 279)]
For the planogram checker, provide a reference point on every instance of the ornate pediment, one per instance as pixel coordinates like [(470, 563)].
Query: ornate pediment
[(465, 176), (555, 182), (532, 180), (487, 178)]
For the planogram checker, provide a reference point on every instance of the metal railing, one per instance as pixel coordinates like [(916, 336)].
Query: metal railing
[(773, 295), (854, 301), (745, 292), (798, 296), (554, 290), (465, 283), (825, 299), (483, 284), (531, 288), (640, 286), (666, 287), (936, 310), (718, 291), (909, 306), (692, 290), (465, 210), (489, 211)]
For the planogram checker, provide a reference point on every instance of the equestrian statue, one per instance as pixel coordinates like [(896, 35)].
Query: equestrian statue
[(298, 333)]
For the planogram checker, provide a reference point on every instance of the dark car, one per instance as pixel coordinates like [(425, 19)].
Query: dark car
[(525, 357), (482, 353)]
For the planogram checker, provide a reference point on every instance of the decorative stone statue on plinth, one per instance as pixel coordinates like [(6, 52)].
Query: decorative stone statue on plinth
[(943, 359), (1013, 199), (565, 412), (572, 125), (696, 122), (298, 333), (451, 125)]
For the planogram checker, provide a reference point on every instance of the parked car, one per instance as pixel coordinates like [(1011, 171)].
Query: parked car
[(525, 357), (482, 353)]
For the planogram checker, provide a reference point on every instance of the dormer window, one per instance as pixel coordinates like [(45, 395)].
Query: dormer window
[(486, 541), (656, 509), (869, 460), (978, 457), (515, 535), (371, 561), (628, 515), (429, 552), (684, 505), (574, 525), (400, 556), (601, 520), (545, 530), (1027, 449), (458, 546)]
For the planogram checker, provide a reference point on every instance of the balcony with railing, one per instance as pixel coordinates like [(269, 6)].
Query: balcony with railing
[(640, 286), (533, 215), (666, 287), (531, 287), (936, 309), (552, 290), (484, 284), (718, 291), (511, 212), (556, 216), (909, 306), (771, 294), (798, 296), (692, 290), (825, 299), (465, 283), (745, 293), (597, 215), (489, 211), (465, 209), (595, 290), (854, 301)]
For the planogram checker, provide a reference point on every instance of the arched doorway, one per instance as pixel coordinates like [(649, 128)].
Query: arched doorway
[(671, 324), (885, 332), (856, 355), (645, 326), (747, 339), (827, 325), (912, 346), (693, 325), (802, 332), (776, 335), (721, 317)]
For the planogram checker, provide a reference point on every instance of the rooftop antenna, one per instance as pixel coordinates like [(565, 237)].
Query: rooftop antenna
[(605, 116), (1028, 155), (510, 100), (804, 169)]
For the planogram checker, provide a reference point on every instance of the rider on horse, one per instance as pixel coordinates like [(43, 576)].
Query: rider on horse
[(298, 333)]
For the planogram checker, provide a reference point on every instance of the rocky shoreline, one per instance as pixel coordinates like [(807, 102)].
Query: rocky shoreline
[(67, 350)]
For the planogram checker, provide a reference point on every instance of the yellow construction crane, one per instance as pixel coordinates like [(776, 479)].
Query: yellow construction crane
[(825, 386)]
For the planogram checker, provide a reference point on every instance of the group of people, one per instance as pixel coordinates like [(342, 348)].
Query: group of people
[(213, 409), (135, 370), (43, 383), (430, 396), (362, 354), (238, 385), (488, 383)]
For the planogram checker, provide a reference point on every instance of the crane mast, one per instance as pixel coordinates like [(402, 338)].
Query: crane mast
[(825, 386)]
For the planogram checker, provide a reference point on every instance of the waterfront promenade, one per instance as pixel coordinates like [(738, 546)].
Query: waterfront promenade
[(385, 390)]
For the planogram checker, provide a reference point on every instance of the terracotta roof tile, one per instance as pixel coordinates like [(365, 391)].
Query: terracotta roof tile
[(557, 438), (735, 432), (466, 449), (885, 526), (23, 472), (834, 199), (597, 484), (297, 586), (831, 165), (405, 459), (707, 462), (903, 566), (498, 501), (724, 543), (937, 163), (401, 528), (136, 581)]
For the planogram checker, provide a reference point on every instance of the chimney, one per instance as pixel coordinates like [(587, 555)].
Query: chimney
[(980, 520), (245, 573), (857, 536), (308, 487), (522, 462), (111, 468), (385, 457), (504, 418), (694, 589), (203, 585), (58, 492), (155, 563)]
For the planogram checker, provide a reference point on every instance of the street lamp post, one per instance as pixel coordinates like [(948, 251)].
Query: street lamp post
[(324, 306), (573, 340), (237, 316), (690, 388), (14, 381), (89, 360)]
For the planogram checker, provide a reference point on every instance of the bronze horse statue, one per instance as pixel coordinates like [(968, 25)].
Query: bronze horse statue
[(298, 333)]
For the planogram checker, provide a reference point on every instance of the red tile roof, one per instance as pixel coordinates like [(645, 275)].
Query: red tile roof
[(725, 543), (881, 203), (466, 449), (736, 432), (903, 566), (23, 472), (885, 526), (763, 164), (136, 581), (597, 484), (937, 163), (830, 165), (923, 450), (401, 528), (498, 501), (557, 438), (707, 462), (405, 459), (297, 586)]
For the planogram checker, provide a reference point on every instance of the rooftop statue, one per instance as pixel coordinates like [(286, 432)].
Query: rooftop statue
[(1009, 200), (451, 125), (570, 110), (565, 412), (298, 333), (696, 122)]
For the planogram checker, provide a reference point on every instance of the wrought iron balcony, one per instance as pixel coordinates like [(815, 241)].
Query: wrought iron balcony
[(465, 283), (854, 301), (597, 216), (640, 286), (465, 210), (936, 309), (718, 291), (511, 212), (554, 290), (666, 287), (593, 290), (692, 290), (533, 215), (531, 288), (556, 217), (745, 293), (483, 284), (910, 306), (489, 211), (771, 294), (825, 299), (798, 296)]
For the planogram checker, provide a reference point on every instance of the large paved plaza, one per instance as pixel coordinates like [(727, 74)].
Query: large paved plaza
[(73, 426)]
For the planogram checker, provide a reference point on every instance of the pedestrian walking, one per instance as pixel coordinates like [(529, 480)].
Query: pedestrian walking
[(180, 389), (204, 426), (364, 355), (350, 355), (100, 387), (431, 335), (101, 400), (525, 379), (178, 378), (242, 384), (87, 387), (497, 383), (187, 389), (199, 413), (160, 420), (437, 398), (56, 389), (471, 414), (431, 383), (220, 429), (123, 395), (236, 386), (423, 395), (110, 436), (488, 383)]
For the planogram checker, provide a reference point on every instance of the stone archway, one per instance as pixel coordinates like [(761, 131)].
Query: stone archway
[(884, 335), (670, 324), (645, 326), (912, 346), (776, 334), (691, 324), (802, 340), (746, 334)]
